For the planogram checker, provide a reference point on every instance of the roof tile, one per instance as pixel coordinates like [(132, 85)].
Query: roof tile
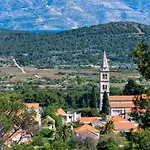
[(118, 119), (89, 119), (124, 126), (60, 111), (126, 97), (32, 105), (85, 127), (122, 105)]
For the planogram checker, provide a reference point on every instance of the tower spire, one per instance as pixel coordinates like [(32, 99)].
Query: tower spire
[(104, 79), (104, 65)]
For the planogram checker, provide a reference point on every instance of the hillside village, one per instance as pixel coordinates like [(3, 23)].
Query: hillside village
[(106, 123), (75, 75)]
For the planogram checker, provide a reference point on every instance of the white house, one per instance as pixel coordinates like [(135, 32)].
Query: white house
[(70, 116)]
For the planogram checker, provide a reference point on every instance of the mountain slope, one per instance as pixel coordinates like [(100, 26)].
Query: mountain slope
[(62, 14), (81, 46)]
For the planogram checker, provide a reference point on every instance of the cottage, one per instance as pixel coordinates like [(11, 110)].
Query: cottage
[(70, 116), (49, 123), (86, 131), (93, 121), (36, 108)]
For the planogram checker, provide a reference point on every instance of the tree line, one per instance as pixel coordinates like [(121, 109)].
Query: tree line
[(82, 46)]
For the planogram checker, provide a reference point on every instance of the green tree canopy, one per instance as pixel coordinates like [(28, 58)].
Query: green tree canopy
[(115, 90), (132, 88), (141, 56), (93, 98), (14, 115), (140, 140), (141, 112), (108, 128), (112, 142), (44, 97), (90, 112), (105, 106)]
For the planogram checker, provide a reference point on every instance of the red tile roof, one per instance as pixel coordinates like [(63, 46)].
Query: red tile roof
[(32, 105), (85, 127), (60, 111), (124, 101), (89, 119), (124, 126), (125, 97), (122, 105), (121, 98), (128, 110), (118, 119)]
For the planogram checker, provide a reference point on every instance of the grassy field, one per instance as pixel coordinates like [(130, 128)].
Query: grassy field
[(54, 73), (49, 73), (12, 75)]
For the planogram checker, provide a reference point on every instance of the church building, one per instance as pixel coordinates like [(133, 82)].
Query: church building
[(119, 105)]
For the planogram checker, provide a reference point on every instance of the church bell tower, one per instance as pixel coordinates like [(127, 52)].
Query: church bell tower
[(104, 79)]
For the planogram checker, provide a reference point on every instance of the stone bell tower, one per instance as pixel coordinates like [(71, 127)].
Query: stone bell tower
[(104, 79)]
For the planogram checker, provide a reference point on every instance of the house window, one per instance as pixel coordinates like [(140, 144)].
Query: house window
[(117, 111), (104, 76), (104, 87)]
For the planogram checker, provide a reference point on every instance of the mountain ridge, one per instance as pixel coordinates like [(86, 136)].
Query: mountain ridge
[(65, 15), (77, 47)]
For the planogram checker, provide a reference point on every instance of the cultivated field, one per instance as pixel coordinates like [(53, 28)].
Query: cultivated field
[(12, 75), (54, 73)]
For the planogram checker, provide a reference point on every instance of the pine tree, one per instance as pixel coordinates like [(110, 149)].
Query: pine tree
[(132, 88), (105, 106), (141, 111), (93, 98), (141, 56)]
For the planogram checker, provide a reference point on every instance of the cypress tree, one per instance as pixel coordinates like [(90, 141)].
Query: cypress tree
[(132, 88), (105, 106), (93, 98)]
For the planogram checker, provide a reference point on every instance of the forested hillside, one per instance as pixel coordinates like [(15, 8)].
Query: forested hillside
[(77, 47)]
